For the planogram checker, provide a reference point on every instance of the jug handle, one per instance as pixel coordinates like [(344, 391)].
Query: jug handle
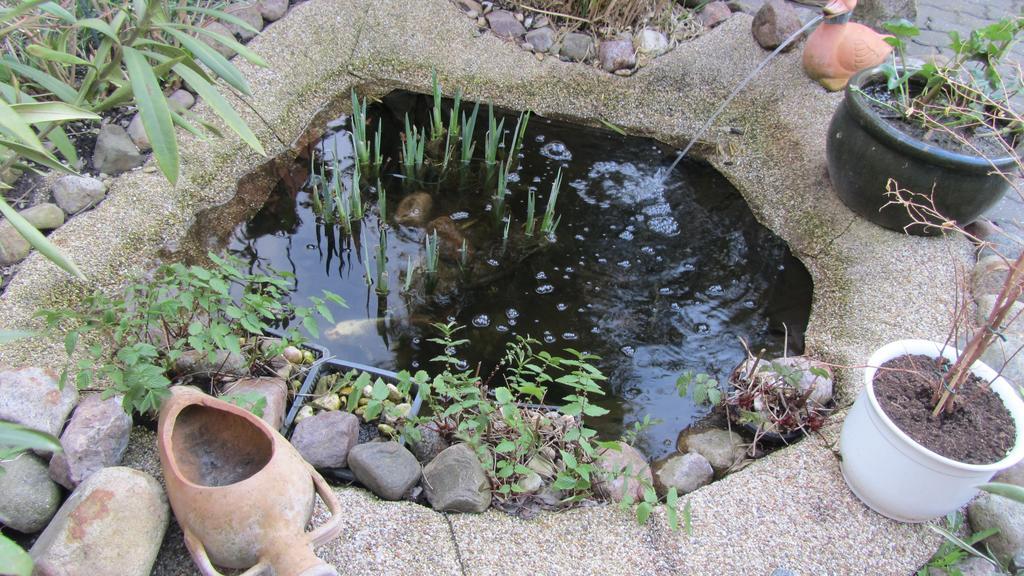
[(330, 529), (195, 546)]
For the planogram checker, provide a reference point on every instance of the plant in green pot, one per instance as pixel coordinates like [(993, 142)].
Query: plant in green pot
[(945, 131)]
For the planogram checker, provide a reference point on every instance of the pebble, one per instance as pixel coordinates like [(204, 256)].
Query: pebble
[(33, 398), (248, 13), (615, 464), (273, 10), (616, 55), (722, 448), (325, 439), (114, 152), (28, 497), (455, 481), (388, 469), (76, 193), (13, 246), (222, 30), (774, 23), (505, 25), (714, 13), (577, 47), (684, 472)]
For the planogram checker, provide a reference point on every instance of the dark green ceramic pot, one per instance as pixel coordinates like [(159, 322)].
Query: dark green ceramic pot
[(865, 151)]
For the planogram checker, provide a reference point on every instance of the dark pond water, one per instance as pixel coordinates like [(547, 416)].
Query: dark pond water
[(655, 276)]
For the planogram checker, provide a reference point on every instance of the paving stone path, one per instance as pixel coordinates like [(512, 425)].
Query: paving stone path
[(936, 18)]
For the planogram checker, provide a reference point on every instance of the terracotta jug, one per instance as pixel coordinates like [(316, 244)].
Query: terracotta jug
[(838, 48), (240, 492)]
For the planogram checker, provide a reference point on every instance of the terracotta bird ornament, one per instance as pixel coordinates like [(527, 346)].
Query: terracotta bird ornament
[(838, 48)]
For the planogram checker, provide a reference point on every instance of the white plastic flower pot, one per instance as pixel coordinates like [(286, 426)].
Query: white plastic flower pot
[(896, 476)]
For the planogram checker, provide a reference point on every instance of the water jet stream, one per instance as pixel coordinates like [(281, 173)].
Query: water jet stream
[(725, 103)]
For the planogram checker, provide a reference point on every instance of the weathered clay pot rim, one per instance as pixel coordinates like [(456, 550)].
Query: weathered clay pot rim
[(891, 136), (210, 402)]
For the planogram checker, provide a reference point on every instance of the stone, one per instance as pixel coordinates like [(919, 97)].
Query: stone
[(273, 10), (76, 193), (95, 438), (388, 469), (876, 12), (45, 216), (248, 13), (137, 132), (651, 42), (684, 472), (195, 363), (274, 390), (13, 246), (504, 24), (414, 209), (969, 566), (116, 518), (722, 448), (746, 6), (430, 444), (1012, 475), (115, 153), (714, 13), (988, 276), (449, 237), (541, 39), (222, 30), (1007, 516), (455, 481), (28, 498), (577, 47), (774, 23), (33, 398), (325, 439), (471, 7), (625, 471), (616, 55)]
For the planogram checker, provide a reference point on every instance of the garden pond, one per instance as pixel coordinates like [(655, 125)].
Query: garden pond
[(656, 273)]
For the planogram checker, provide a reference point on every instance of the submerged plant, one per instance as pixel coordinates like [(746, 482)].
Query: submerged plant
[(378, 158), (500, 194), (382, 204), (355, 195), (432, 256), (531, 207), (517, 140), (407, 288), (464, 255)]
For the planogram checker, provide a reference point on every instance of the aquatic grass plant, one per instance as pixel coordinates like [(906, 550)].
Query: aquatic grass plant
[(550, 222), (504, 233), (517, 140), (495, 137), (468, 129), (413, 146), (430, 243), (531, 209), (378, 158), (464, 255), (359, 141), (452, 133), (382, 265), (355, 195), (500, 194), (382, 204), (367, 276), (436, 119), (407, 288)]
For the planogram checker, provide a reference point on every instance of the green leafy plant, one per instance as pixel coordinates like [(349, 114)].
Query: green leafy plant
[(549, 222), (135, 340), (955, 549), (371, 399), (701, 387)]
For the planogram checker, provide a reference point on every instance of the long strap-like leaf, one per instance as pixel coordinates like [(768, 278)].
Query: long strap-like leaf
[(156, 115), (38, 241)]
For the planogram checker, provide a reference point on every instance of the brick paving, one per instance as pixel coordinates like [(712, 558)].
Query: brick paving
[(936, 18)]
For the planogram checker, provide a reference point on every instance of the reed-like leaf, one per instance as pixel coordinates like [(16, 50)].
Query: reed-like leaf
[(220, 106), (36, 239), (155, 113)]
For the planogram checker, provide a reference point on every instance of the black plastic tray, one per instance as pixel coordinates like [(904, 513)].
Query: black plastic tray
[(333, 365)]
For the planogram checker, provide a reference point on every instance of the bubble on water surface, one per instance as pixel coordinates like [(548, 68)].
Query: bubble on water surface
[(648, 250), (545, 289), (556, 150), (541, 275), (561, 306), (549, 338), (629, 351), (501, 328), (481, 321), (569, 336), (512, 313), (460, 215)]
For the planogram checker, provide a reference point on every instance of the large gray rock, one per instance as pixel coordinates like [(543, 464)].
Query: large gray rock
[(988, 276), (386, 468), (272, 10), (577, 47), (325, 440), (194, 363), (14, 247), (875, 12), (220, 30), (115, 152), (1007, 516), (248, 13), (274, 390), (714, 13), (76, 193), (28, 498), (96, 437), (113, 523), (625, 471), (722, 448), (774, 23), (504, 24), (137, 132), (541, 39), (414, 209), (31, 397), (1012, 475), (684, 472), (430, 444), (616, 55), (455, 481)]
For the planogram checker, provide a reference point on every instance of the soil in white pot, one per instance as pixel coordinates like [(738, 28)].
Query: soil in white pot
[(979, 430)]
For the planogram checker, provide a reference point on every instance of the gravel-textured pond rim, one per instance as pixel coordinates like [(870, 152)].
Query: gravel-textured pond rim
[(871, 286)]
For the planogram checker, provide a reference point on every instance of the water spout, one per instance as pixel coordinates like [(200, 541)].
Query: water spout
[(732, 95)]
